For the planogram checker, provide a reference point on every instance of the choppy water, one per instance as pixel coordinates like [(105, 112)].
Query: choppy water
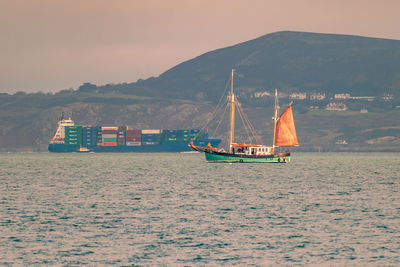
[(176, 210)]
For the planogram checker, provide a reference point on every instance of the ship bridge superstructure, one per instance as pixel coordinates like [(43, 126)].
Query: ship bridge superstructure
[(59, 135)]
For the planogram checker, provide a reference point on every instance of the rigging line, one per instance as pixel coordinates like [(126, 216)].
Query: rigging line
[(252, 128), (245, 126), (249, 125), (222, 117), (257, 138), (216, 110), (244, 123), (219, 105)]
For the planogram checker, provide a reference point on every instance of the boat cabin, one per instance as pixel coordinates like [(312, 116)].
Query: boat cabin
[(247, 149)]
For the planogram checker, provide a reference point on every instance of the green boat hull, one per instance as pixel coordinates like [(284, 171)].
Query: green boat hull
[(219, 157)]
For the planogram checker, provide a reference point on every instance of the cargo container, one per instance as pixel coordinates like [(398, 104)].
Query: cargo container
[(79, 138), (88, 143), (89, 136), (109, 136), (151, 131), (72, 143), (133, 143), (109, 143), (150, 143), (121, 135), (133, 132), (109, 128), (133, 140), (103, 132), (73, 135), (133, 136), (170, 132), (73, 128), (109, 140), (181, 132), (151, 136)]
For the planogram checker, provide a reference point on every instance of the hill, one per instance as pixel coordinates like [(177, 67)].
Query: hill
[(184, 96), (287, 61)]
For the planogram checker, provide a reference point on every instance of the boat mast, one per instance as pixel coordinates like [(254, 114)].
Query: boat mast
[(276, 107), (232, 98)]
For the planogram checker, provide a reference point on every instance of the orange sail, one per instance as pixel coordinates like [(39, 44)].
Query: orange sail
[(285, 130)]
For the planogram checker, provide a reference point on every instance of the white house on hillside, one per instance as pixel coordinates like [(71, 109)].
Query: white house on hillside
[(300, 96), (317, 96), (336, 106)]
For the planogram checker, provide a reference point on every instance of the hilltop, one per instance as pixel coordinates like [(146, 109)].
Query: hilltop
[(285, 60), (358, 73)]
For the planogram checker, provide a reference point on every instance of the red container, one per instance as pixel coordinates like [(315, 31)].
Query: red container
[(123, 128), (133, 132), (133, 139), (109, 144)]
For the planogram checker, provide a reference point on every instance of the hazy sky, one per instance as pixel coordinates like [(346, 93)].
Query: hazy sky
[(50, 45)]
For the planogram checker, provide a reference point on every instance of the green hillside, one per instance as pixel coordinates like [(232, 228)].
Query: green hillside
[(285, 60), (184, 96)]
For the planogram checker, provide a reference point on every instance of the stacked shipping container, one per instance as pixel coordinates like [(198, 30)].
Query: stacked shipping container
[(133, 137), (73, 135), (109, 136), (151, 137), (99, 135), (121, 135), (179, 136), (121, 139), (89, 136), (194, 134), (170, 136)]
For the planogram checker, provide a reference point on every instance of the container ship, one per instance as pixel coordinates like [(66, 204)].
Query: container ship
[(77, 138)]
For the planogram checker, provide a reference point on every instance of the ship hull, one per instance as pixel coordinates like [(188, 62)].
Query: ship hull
[(62, 148), (162, 147), (222, 157)]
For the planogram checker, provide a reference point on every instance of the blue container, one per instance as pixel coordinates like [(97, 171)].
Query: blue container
[(151, 138), (89, 136), (170, 132), (99, 131), (151, 135), (121, 134)]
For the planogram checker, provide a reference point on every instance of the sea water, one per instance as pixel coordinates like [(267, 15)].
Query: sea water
[(339, 209)]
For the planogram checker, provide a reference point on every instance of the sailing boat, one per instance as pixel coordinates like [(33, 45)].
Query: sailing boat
[(284, 136)]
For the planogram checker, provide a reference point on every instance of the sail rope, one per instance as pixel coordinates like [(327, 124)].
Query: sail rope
[(221, 118), (246, 128), (250, 131), (253, 131), (217, 108)]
